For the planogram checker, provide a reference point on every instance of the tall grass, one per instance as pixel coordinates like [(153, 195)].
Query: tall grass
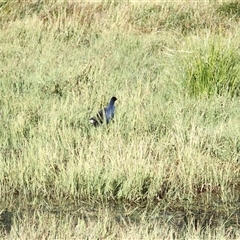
[(214, 68), (61, 62)]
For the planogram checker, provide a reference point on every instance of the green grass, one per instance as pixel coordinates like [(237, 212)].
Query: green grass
[(230, 9), (213, 68), (166, 150)]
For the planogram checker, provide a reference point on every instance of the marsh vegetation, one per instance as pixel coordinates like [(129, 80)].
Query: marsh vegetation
[(167, 167)]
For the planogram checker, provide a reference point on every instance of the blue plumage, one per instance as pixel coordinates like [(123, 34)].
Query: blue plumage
[(105, 114)]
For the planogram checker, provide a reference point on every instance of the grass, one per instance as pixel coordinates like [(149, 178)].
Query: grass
[(213, 69), (102, 224), (173, 147)]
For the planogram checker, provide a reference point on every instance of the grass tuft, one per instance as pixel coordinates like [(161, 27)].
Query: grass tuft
[(230, 9), (213, 69)]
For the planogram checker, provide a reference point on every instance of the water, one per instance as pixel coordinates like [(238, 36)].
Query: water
[(121, 214)]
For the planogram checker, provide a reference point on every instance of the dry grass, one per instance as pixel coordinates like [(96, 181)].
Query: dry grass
[(60, 62)]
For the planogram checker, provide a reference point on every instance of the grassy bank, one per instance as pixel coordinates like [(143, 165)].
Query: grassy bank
[(174, 143)]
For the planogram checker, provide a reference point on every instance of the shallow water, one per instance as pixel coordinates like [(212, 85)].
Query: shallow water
[(128, 214)]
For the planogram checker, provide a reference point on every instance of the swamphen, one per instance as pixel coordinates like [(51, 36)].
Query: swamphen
[(105, 114)]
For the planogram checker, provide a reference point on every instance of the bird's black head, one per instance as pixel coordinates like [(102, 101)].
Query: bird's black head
[(113, 99)]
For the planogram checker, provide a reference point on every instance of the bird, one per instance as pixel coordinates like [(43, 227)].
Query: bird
[(105, 114)]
